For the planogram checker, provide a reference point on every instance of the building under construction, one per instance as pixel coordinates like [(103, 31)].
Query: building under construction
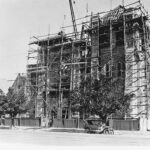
[(114, 43)]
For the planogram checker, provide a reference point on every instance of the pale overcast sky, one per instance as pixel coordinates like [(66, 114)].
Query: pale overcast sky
[(20, 19)]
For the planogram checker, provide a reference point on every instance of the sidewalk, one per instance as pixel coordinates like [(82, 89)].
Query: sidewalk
[(52, 129), (74, 130), (116, 132), (4, 127), (19, 127), (138, 133)]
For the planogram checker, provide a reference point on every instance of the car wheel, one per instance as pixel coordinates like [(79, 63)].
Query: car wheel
[(106, 131)]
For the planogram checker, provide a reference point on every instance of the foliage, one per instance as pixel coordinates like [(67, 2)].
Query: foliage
[(3, 100), (16, 102), (1, 92), (101, 97), (30, 107), (13, 103)]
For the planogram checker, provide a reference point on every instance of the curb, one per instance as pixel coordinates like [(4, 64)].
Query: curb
[(69, 130)]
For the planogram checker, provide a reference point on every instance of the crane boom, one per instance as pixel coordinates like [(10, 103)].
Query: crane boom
[(73, 19)]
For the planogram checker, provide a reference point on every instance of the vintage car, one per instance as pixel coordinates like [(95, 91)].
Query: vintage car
[(92, 126)]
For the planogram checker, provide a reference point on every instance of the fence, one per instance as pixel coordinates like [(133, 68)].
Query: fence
[(23, 122), (68, 123), (130, 125), (74, 123)]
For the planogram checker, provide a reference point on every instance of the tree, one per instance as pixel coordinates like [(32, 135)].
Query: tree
[(80, 98), (15, 102), (107, 97), (101, 97), (3, 101)]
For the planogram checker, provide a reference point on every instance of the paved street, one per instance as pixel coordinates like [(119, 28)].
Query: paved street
[(46, 138)]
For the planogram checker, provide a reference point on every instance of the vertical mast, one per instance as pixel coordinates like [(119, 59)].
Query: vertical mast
[(73, 19)]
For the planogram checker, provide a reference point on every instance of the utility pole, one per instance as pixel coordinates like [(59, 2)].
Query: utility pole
[(47, 78), (60, 89)]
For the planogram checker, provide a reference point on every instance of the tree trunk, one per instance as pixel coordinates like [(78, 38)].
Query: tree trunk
[(69, 111), (12, 120)]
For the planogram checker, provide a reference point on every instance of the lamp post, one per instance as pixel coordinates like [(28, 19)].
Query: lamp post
[(36, 83)]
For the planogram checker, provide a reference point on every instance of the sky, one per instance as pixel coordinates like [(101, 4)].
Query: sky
[(22, 19)]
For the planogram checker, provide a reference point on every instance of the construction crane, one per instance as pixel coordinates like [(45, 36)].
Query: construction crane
[(73, 19)]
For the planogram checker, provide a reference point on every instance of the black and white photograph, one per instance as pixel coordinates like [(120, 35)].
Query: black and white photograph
[(74, 74)]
